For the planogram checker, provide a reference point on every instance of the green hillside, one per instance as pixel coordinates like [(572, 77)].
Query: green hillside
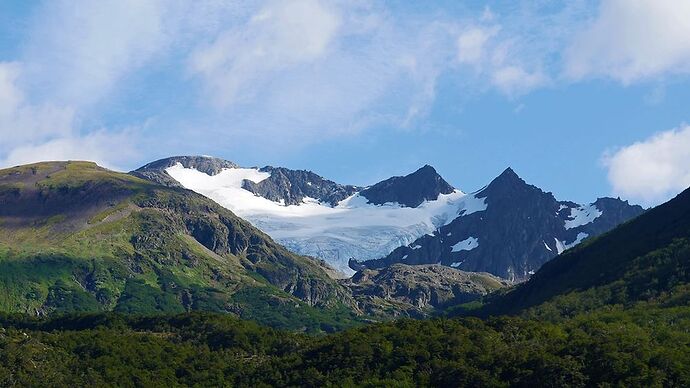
[(75, 237)]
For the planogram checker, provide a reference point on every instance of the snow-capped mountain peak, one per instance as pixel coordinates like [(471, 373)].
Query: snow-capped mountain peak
[(410, 190), (508, 228), (314, 216)]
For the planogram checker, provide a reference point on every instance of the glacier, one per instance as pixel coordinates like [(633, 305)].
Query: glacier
[(352, 229)]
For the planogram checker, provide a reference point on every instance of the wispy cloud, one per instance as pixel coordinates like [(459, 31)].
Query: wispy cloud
[(280, 36), (78, 51), (285, 73), (20, 120), (308, 70)]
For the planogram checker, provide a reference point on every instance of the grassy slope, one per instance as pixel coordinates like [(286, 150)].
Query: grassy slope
[(76, 237)]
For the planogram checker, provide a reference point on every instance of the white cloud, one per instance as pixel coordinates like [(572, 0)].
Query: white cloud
[(79, 50), (281, 35), (31, 133), (301, 71), (21, 121), (654, 169), (631, 40), (111, 150), (471, 44), (513, 79), (497, 60)]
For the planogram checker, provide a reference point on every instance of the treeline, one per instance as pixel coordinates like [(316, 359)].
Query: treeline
[(640, 346)]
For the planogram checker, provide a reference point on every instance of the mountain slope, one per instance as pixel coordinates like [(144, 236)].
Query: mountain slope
[(521, 228), (74, 236), (292, 187), (418, 290), (646, 259), (317, 217)]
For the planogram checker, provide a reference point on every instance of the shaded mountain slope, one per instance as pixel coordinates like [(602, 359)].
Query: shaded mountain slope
[(521, 228), (410, 190), (646, 259)]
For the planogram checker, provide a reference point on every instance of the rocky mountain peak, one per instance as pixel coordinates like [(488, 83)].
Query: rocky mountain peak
[(293, 186), (409, 190), (155, 171), (507, 178), (206, 164)]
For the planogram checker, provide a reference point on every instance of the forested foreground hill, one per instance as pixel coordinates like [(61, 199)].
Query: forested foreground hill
[(640, 346)]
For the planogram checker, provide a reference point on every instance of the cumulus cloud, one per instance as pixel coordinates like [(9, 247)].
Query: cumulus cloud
[(654, 169), (631, 40)]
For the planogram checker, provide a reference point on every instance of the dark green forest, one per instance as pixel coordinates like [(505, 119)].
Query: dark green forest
[(641, 346)]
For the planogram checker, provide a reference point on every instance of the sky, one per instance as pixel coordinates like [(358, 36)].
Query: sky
[(582, 98)]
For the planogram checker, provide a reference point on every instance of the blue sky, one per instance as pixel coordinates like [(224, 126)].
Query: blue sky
[(582, 98)]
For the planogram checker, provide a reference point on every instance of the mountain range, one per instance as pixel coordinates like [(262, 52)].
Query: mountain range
[(414, 219), (611, 311), (75, 237), (168, 237)]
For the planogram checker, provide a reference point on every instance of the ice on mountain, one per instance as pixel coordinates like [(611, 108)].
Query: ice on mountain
[(353, 228), (582, 215), (467, 244)]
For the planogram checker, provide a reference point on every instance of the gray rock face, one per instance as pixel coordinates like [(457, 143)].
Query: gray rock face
[(410, 190), (292, 186), (521, 229), (155, 171), (416, 290), (284, 185)]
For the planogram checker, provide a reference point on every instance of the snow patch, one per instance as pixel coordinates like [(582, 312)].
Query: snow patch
[(457, 264), (547, 247), (582, 215), (562, 246), (472, 204), (467, 244), (580, 236)]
